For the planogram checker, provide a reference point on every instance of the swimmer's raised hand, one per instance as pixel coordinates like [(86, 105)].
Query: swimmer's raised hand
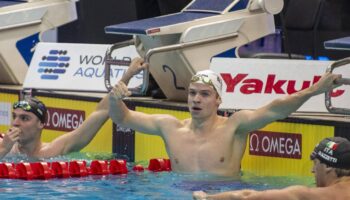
[(10, 138), (327, 82), (120, 91), (135, 67)]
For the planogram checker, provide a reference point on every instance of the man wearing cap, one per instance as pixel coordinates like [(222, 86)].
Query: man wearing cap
[(24, 136), (331, 159), (206, 142)]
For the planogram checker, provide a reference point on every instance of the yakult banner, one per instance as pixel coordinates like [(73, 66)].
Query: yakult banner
[(77, 67), (252, 83)]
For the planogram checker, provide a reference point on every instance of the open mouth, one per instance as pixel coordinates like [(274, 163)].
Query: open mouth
[(196, 108)]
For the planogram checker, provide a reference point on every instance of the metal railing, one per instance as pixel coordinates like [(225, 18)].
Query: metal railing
[(110, 61), (345, 81)]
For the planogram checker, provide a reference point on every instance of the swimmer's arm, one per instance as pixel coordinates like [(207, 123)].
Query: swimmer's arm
[(82, 136), (136, 66), (280, 108), (121, 115), (146, 123), (233, 195), (290, 193)]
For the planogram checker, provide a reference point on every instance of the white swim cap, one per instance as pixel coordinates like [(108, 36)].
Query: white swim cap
[(210, 78)]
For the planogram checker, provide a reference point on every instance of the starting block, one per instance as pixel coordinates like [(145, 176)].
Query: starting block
[(21, 26), (178, 45)]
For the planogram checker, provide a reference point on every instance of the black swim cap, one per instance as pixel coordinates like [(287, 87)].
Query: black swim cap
[(334, 152), (34, 106)]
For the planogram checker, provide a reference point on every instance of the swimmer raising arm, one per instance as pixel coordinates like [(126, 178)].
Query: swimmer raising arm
[(28, 118), (280, 108), (207, 142), (79, 138)]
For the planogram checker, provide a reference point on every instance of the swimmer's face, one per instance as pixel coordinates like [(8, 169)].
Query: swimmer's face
[(203, 100), (28, 123), (320, 172)]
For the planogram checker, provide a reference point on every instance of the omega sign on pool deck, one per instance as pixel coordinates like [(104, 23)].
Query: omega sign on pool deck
[(275, 144), (64, 119)]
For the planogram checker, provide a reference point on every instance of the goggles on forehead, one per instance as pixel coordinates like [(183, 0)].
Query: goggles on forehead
[(22, 104), (208, 77), (204, 79), (36, 108)]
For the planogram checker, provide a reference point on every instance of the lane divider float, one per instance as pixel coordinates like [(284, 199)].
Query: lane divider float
[(61, 169)]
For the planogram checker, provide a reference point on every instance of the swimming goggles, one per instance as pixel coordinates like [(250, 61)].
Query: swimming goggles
[(36, 108), (23, 104), (202, 78)]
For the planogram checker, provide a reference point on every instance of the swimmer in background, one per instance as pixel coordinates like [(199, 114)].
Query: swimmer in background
[(331, 168), (208, 143), (28, 120)]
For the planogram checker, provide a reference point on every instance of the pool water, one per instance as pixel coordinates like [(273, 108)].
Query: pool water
[(136, 185)]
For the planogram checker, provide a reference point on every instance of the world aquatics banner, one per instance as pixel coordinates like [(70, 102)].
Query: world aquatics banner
[(77, 67)]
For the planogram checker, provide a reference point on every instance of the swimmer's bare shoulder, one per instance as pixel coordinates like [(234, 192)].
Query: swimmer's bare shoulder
[(169, 124), (165, 121), (48, 150), (230, 123), (245, 121)]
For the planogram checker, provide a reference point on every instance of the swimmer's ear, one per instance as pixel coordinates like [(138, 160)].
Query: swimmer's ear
[(41, 125), (218, 100), (329, 169)]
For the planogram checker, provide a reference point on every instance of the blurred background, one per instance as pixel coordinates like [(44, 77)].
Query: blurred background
[(301, 28)]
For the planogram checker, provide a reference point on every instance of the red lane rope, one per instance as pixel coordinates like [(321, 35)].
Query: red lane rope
[(60, 169)]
